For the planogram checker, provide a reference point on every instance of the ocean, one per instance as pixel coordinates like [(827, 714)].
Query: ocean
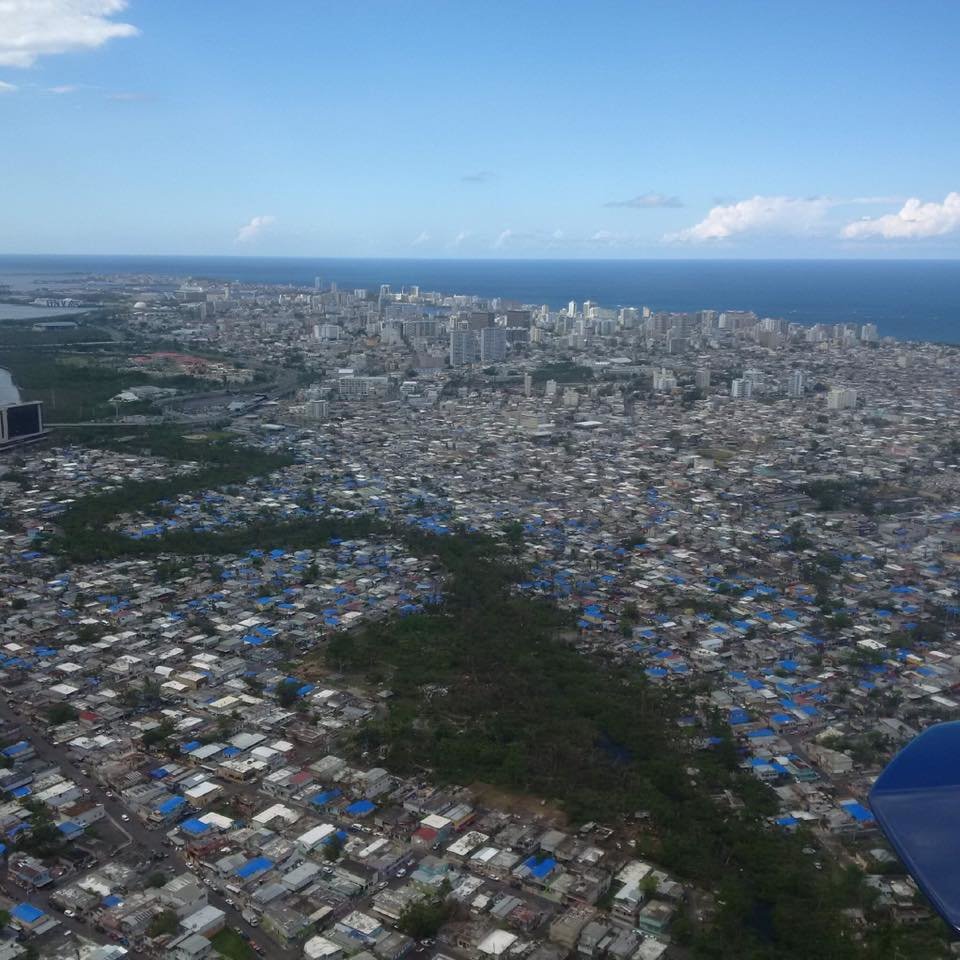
[(908, 299)]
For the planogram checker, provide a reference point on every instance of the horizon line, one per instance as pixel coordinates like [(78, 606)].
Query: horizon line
[(485, 259)]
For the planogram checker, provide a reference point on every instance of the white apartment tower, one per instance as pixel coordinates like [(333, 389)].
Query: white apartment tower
[(841, 398), (463, 348), (795, 384), (493, 344)]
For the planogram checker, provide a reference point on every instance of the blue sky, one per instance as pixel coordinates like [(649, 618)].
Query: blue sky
[(527, 128)]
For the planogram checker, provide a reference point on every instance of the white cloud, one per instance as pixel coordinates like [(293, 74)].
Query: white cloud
[(63, 89), (422, 238), (527, 238), (462, 237), (872, 201), (914, 220), (8, 87), (611, 238), (249, 232), (647, 201), (758, 215), (36, 28)]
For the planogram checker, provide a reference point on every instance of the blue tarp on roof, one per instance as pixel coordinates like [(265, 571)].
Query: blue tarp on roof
[(915, 801), (256, 865), (858, 811), (541, 868), (171, 805), (194, 826), (111, 901), (361, 808), (322, 799), (26, 913)]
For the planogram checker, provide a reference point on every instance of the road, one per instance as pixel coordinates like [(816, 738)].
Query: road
[(136, 833)]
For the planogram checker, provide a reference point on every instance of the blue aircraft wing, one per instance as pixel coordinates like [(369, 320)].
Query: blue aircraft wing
[(916, 802)]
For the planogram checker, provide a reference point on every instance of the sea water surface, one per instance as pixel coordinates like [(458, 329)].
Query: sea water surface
[(908, 299)]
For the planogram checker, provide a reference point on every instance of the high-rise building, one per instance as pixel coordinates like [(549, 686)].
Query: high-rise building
[(664, 380), (701, 378), (841, 398), (527, 385), (493, 344), (463, 347), (742, 389), (795, 384)]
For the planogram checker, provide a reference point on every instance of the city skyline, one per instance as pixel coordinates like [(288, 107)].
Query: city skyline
[(428, 130)]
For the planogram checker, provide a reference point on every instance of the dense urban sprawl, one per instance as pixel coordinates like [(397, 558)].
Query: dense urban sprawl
[(264, 676)]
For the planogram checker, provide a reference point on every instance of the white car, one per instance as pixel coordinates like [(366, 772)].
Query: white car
[(69, 913), (124, 818)]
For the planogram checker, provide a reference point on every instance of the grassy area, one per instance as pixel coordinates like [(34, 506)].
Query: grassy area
[(75, 385), (229, 943), (562, 372), (16, 336), (222, 462)]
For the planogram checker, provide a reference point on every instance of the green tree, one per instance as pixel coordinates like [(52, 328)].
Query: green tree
[(287, 694), (422, 919), (333, 848), (163, 924), (159, 734), (59, 713)]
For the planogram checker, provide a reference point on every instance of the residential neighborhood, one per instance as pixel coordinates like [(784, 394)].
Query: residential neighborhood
[(759, 519)]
